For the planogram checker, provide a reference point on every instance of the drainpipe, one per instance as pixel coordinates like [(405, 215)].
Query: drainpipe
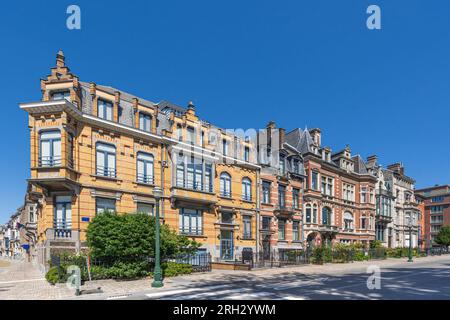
[(163, 164), (258, 202)]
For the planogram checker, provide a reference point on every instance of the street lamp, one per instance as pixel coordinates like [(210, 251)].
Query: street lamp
[(157, 273), (410, 226)]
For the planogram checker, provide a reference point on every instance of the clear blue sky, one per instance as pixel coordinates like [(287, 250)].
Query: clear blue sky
[(300, 63)]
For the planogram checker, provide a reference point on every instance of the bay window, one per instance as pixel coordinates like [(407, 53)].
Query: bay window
[(50, 151)]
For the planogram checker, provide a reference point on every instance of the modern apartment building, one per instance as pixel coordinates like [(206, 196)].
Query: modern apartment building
[(436, 202), (339, 196), (95, 148), (281, 188)]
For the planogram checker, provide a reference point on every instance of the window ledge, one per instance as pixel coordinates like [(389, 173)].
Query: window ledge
[(193, 235), (225, 197), (247, 201), (144, 184), (105, 178)]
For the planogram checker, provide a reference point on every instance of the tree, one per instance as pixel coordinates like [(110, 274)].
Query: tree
[(443, 237), (131, 237)]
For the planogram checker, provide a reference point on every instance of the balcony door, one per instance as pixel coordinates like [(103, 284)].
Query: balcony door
[(63, 213)]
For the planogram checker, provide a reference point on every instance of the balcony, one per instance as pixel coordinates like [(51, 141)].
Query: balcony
[(284, 210), (328, 228), (193, 194)]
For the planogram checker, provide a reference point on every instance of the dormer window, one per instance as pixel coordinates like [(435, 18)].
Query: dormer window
[(145, 122), (296, 166), (105, 110), (61, 95)]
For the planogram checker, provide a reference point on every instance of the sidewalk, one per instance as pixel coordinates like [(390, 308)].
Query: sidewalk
[(20, 280)]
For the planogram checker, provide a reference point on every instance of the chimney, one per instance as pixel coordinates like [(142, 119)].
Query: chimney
[(270, 127), (396, 167), (281, 133), (316, 135), (60, 59), (372, 161)]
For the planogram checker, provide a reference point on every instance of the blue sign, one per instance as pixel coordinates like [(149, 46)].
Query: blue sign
[(26, 246), (85, 219)]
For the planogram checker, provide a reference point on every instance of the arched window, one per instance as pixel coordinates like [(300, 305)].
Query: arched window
[(225, 185), (246, 189), (145, 168), (308, 214), (50, 151), (348, 221), (106, 160), (326, 216)]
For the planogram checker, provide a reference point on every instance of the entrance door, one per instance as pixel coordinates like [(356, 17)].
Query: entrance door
[(266, 248), (226, 245)]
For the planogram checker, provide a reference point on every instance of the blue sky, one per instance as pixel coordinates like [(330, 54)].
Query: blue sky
[(243, 63)]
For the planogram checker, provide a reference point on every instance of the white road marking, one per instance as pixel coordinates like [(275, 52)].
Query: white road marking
[(118, 297), (172, 292), (210, 294)]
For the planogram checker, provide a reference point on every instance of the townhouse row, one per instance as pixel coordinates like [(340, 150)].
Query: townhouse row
[(95, 148)]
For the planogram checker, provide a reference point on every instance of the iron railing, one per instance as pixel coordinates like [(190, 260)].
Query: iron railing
[(49, 161), (106, 171), (145, 178)]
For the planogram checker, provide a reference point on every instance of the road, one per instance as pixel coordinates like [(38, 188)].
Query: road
[(425, 278)]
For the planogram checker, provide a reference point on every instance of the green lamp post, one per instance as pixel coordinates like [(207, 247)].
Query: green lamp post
[(410, 226), (157, 273)]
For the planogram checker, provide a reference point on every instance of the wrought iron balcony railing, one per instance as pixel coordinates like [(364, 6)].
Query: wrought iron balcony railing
[(49, 161), (106, 172), (197, 186), (147, 179), (246, 197)]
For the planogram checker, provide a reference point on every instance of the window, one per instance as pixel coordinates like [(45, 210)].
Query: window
[(326, 216), (106, 160), (308, 213), (61, 95), (179, 133), (70, 149), (105, 110), (314, 180), (265, 223), (437, 199), (348, 192), (180, 171), (296, 231), (266, 192), (327, 186), (282, 160), (202, 139), (296, 166), (295, 198), (145, 167), (363, 223), (50, 152), (437, 219), (190, 135), (105, 204), (145, 122), (225, 185), (281, 229), (247, 224), (63, 212), (348, 221), (224, 147), (246, 189), (194, 174), (33, 214), (282, 196), (247, 154), (226, 217), (145, 208), (436, 209), (208, 175), (379, 231), (191, 221), (363, 194), (436, 228)]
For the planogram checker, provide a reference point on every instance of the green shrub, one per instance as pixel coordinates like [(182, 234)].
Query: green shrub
[(53, 275), (321, 255), (360, 255), (172, 269)]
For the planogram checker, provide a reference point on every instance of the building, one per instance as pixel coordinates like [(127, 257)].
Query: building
[(339, 196), (436, 203), (2, 241), (95, 148), (397, 208), (281, 188), (13, 246)]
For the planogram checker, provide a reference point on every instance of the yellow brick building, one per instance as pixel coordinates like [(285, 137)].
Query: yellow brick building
[(94, 148)]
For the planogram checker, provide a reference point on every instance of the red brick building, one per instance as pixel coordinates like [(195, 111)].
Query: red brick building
[(436, 202), (339, 197)]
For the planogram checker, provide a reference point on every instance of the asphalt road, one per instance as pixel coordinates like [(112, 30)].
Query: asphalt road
[(427, 278)]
